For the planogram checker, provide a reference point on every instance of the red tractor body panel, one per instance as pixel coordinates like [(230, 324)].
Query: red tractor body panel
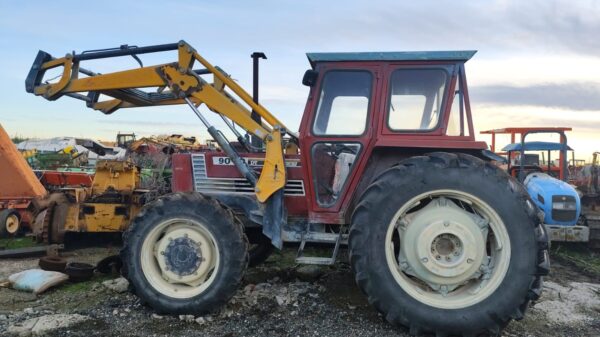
[(213, 173)]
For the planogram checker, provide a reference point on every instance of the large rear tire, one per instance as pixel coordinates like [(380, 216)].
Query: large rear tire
[(448, 244), (185, 253)]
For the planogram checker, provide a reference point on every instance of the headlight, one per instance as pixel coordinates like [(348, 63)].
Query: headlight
[(564, 205), (564, 202)]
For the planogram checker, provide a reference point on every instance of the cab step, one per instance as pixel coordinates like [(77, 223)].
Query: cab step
[(320, 238)]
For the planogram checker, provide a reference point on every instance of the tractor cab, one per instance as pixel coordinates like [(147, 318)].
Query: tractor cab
[(362, 105), (124, 140)]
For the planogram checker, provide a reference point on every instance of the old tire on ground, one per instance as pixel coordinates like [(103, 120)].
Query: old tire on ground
[(10, 223), (109, 264), (79, 272), (53, 263), (260, 247), (185, 253), (448, 244)]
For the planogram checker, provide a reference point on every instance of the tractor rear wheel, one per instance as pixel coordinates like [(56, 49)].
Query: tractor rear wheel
[(10, 223), (448, 244), (185, 253)]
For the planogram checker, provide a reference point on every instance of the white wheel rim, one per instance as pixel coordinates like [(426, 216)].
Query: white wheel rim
[(163, 247), (12, 224), (456, 253)]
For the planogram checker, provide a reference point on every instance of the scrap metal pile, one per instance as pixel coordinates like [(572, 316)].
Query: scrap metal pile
[(68, 185)]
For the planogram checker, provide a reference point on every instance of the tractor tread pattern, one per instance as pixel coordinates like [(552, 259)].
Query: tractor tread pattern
[(441, 160), (186, 199)]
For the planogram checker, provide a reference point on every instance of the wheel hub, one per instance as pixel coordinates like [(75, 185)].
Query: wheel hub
[(442, 245), (12, 224), (183, 256), (447, 247)]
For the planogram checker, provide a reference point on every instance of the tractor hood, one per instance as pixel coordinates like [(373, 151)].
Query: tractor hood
[(557, 199)]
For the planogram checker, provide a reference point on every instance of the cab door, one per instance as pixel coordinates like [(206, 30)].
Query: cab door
[(336, 132)]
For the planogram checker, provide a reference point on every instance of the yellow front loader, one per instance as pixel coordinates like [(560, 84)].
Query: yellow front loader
[(176, 83)]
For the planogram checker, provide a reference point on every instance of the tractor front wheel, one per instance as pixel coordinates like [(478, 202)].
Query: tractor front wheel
[(185, 253), (10, 223), (448, 244)]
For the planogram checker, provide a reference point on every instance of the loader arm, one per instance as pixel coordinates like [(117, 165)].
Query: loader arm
[(176, 83)]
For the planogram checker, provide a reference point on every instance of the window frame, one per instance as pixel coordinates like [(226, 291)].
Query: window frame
[(448, 70), (318, 100)]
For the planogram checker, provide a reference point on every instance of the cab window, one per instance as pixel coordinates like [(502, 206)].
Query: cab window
[(415, 101), (343, 103)]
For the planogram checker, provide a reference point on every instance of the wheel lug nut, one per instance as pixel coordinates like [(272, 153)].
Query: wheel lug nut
[(425, 260), (437, 257), (446, 223), (469, 260), (162, 253)]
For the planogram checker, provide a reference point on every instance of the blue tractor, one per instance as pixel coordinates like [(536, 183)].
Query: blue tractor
[(546, 183)]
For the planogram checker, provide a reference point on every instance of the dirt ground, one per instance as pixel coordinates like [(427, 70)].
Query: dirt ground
[(279, 299)]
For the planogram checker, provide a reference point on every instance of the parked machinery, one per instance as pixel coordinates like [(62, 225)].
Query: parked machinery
[(439, 239), (554, 187), (108, 205), (19, 188), (74, 202), (587, 180)]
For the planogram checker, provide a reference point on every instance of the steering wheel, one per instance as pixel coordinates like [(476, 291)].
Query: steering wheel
[(342, 148)]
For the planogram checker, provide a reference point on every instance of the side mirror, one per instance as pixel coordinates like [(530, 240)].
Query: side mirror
[(310, 77)]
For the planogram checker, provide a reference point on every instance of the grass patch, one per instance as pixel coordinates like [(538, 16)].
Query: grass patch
[(578, 254), (14, 243), (85, 285)]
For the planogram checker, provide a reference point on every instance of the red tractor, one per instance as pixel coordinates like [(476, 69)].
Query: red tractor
[(385, 161)]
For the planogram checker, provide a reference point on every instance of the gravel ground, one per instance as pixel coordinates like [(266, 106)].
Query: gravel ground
[(278, 299)]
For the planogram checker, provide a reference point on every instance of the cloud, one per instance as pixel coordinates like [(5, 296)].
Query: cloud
[(569, 96)]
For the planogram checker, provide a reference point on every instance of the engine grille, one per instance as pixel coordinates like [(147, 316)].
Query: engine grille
[(202, 183), (562, 214)]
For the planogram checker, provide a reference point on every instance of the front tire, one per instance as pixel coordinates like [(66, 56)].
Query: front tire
[(10, 223), (447, 244), (185, 253)]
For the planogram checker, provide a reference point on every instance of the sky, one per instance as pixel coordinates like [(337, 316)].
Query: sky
[(538, 61)]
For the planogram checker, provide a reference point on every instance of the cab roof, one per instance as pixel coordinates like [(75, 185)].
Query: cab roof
[(453, 55), (537, 146)]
